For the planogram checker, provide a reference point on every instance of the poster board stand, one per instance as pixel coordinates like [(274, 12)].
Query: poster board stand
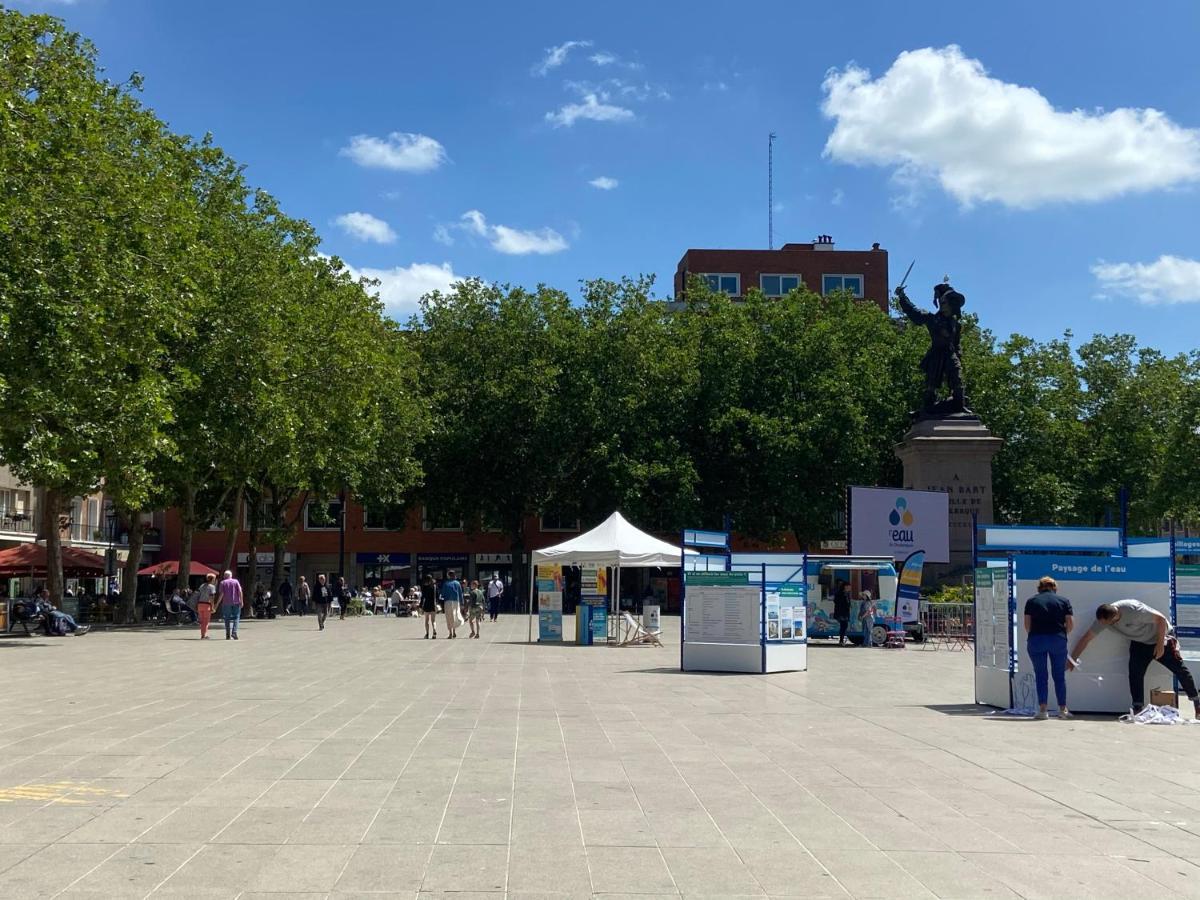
[(742, 612), (1003, 669)]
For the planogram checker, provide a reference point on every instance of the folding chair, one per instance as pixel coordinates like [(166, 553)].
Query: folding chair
[(636, 633)]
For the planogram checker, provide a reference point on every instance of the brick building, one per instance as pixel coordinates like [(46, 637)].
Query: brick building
[(819, 265), (375, 549)]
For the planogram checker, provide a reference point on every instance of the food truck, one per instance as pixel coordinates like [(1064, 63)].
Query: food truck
[(876, 574)]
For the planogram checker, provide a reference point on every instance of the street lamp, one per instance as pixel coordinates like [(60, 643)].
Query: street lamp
[(110, 558)]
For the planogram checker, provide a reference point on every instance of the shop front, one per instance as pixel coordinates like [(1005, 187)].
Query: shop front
[(438, 564), (393, 569)]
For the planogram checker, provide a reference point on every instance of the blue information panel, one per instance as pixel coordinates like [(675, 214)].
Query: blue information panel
[(599, 624)]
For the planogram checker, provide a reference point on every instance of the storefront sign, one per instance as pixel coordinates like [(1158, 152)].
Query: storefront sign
[(268, 558), (382, 559), (439, 560), (493, 559)]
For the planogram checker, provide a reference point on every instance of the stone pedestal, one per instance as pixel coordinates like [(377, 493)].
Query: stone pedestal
[(954, 455)]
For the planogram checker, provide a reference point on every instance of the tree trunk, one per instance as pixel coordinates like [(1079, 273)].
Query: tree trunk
[(277, 567), (53, 505), (129, 577), (248, 586), (233, 526), (187, 528), (520, 571)]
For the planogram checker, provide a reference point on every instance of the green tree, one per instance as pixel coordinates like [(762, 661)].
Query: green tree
[(494, 366), (797, 398), (94, 232)]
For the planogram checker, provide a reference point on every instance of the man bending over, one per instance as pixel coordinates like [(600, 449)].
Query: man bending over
[(1150, 639)]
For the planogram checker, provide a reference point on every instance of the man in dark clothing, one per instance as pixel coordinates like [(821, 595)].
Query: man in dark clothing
[(322, 596), (285, 597), (841, 609)]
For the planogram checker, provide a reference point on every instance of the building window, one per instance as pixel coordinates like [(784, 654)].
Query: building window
[(556, 522), (724, 282), (264, 514), (384, 518), (852, 283), (322, 516), (778, 285), (436, 520)]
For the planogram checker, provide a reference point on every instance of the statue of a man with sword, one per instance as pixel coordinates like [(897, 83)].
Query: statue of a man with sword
[(943, 360)]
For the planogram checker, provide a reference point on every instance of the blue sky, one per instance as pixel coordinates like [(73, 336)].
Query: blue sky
[(430, 139)]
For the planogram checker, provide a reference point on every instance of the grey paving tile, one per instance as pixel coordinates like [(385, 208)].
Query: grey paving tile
[(532, 870), (457, 868), (385, 868), (628, 870), (301, 868)]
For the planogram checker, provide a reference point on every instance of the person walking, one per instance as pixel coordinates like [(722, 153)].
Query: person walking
[(229, 596), (866, 617), (451, 596), (475, 609), (1150, 640), (1049, 618), (303, 595), (429, 604), (206, 598), (285, 598), (342, 595), (495, 590), (322, 596), (841, 610)]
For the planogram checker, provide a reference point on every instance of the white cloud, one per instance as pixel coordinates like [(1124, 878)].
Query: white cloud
[(603, 58), (556, 56), (935, 114), (442, 235), (513, 241), (366, 227), (400, 151), (838, 196), (1167, 280), (592, 108), (400, 288), (604, 183)]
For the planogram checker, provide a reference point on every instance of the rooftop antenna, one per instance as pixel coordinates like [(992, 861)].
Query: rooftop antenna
[(771, 191)]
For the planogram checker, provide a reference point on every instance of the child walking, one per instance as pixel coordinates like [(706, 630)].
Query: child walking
[(475, 609)]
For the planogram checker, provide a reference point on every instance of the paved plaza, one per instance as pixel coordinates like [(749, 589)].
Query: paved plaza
[(365, 761)]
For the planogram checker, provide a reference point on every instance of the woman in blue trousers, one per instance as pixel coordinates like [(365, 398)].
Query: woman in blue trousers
[(1048, 620)]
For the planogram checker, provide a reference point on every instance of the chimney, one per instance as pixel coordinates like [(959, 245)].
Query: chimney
[(823, 242)]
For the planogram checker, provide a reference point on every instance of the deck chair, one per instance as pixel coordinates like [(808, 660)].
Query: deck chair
[(636, 633)]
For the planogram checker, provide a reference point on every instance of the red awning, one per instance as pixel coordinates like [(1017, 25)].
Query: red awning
[(170, 568), (30, 559)]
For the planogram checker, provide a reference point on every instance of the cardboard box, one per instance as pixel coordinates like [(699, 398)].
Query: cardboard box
[(1160, 697)]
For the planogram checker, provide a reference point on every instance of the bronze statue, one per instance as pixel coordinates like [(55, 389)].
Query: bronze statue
[(943, 359)]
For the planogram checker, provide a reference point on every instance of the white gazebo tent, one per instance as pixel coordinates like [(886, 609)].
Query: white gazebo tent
[(614, 542)]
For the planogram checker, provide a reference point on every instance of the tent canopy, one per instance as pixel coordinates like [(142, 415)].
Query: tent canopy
[(30, 559), (171, 567), (614, 542)]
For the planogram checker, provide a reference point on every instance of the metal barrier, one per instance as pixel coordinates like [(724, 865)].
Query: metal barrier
[(949, 625)]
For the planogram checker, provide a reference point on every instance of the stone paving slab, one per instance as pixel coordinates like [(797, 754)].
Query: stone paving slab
[(365, 761)]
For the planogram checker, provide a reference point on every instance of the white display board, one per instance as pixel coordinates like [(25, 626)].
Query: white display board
[(894, 523), (1101, 684), (1187, 611), (722, 623), (993, 637), (727, 612)]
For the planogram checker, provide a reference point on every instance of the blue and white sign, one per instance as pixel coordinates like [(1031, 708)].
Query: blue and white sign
[(382, 559), (895, 523)]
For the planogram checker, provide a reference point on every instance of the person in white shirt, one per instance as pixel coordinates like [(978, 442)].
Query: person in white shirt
[(495, 590)]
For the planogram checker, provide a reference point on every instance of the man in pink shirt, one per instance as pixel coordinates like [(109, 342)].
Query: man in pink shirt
[(229, 596)]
